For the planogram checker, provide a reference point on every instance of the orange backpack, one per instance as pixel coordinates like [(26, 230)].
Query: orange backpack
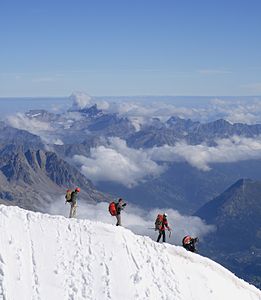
[(112, 209)]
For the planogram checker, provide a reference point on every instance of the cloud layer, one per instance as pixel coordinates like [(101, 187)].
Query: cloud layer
[(82, 100), (138, 220), (34, 126), (243, 110), (118, 163), (201, 156)]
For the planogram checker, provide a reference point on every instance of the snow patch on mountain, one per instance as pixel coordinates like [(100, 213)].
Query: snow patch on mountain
[(51, 257)]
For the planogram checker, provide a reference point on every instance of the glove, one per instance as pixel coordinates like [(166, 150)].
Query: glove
[(124, 204)]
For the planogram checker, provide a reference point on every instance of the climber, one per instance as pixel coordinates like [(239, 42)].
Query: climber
[(160, 224), (73, 202), (119, 207), (189, 243)]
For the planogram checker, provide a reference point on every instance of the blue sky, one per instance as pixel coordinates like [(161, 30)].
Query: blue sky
[(134, 47)]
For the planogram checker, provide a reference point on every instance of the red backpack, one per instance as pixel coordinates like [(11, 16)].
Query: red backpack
[(158, 222), (112, 209), (186, 240)]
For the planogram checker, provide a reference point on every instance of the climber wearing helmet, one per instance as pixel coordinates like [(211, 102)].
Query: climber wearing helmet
[(74, 202), (189, 243), (160, 225)]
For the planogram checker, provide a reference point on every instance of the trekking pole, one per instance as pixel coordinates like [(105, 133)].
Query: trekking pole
[(151, 228)]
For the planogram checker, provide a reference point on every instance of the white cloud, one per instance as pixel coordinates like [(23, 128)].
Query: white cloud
[(201, 156), (32, 125), (118, 163), (154, 110), (237, 111), (139, 112), (141, 109), (233, 110), (139, 220), (43, 129), (82, 100)]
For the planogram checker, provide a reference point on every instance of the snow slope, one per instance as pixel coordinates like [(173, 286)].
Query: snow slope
[(51, 257)]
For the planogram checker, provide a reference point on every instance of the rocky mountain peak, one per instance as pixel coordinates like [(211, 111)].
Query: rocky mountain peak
[(40, 175), (238, 200), (92, 112), (237, 239)]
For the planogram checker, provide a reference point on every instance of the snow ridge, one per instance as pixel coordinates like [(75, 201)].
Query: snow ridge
[(51, 257)]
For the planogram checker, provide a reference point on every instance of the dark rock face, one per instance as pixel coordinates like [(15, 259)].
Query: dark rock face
[(237, 241), (236, 213), (91, 112), (111, 125), (27, 177), (16, 137)]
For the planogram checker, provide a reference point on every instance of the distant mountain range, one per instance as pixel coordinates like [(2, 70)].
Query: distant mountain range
[(194, 133), (236, 213), (182, 186), (75, 125), (155, 133)]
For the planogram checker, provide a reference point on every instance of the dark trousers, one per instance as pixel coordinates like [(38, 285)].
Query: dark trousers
[(162, 233), (190, 247)]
